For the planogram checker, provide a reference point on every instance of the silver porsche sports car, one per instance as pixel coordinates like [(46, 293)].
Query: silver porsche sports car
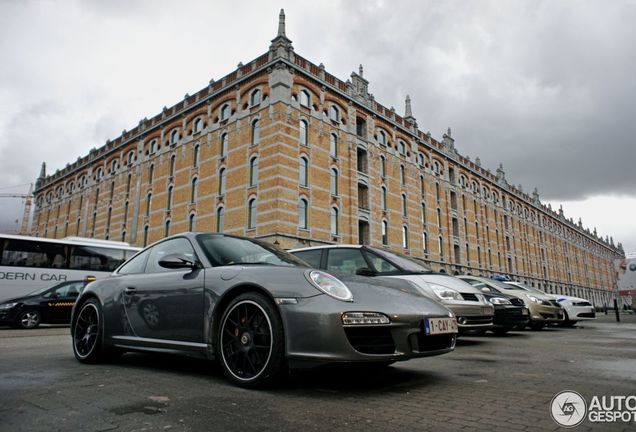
[(254, 308)]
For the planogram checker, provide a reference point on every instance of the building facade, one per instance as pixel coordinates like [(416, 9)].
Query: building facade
[(282, 150)]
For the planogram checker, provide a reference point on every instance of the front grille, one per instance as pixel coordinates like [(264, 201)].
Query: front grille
[(371, 340), (586, 315), (517, 301), (581, 303), (468, 320), (470, 296), (435, 342)]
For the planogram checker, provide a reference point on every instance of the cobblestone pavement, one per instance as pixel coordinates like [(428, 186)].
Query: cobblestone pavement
[(488, 383)]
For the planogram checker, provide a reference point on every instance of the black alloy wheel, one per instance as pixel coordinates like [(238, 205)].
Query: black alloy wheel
[(87, 332), (29, 319), (250, 341)]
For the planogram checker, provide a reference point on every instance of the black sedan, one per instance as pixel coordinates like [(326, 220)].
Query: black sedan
[(510, 313), (50, 305), (254, 308)]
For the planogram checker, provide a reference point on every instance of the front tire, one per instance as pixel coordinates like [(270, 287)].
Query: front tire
[(536, 326), (250, 341), (501, 331), (28, 319), (88, 333)]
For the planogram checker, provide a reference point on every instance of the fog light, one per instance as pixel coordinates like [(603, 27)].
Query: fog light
[(364, 318), (461, 320)]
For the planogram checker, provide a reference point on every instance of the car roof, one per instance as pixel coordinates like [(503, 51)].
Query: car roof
[(339, 246)]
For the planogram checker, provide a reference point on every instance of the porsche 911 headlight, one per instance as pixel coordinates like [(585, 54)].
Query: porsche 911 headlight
[(364, 318), (500, 301), (7, 306), (446, 293), (330, 285)]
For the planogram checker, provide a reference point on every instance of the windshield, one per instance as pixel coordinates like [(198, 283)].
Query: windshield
[(403, 262), (506, 286), (42, 290), (224, 250), (525, 287)]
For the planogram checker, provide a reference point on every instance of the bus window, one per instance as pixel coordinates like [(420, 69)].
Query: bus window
[(96, 258), (24, 253)]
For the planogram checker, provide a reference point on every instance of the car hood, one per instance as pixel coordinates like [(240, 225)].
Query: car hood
[(450, 282), (523, 293), (568, 298), (399, 294), (19, 299)]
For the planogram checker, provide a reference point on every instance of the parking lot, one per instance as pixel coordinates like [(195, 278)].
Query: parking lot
[(488, 383)]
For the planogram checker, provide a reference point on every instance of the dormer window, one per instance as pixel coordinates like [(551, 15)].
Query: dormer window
[(174, 136), (334, 113), (198, 126), (255, 98), (225, 112), (305, 100)]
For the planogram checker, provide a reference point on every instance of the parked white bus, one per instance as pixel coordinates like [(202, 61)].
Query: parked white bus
[(30, 263)]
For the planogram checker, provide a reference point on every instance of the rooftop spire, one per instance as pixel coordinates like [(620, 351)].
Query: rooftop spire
[(408, 112), (281, 23)]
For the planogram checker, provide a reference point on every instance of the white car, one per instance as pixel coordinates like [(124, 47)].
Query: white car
[(575, 308)]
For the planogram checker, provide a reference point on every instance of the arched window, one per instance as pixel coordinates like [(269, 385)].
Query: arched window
[(167, 230), (151, 173), (305, 100), (224, 145), (424, 214), (253, 171), (385, 234), (436, 168), (131, 157), (382, 137), (251, 213), (334, 182), (425, 242), (405, 237), (173, 165), (402, 147), (100, 173), (194, 190), (148, 204), (192, 223), (302, 213), (255, 97), (422, 186), (333, 145), (169, 200), (421, 160), (174, 136), (222, 175), (303, 132), (303, 178), (225, 112), (198, 126), (128, 183), (146, 229), (256, 132), (382, 167), (383, 198), (334, 221), (114, 165), (404, 206), (402, 175), (334, 113), (195, 156), (153, 146), (220, 219)]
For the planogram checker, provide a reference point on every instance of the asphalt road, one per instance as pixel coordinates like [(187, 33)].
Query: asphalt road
[(488, 383)]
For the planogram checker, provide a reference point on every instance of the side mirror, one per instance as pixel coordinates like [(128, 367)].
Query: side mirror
[(177, 261), (365, 271), (485, 289)]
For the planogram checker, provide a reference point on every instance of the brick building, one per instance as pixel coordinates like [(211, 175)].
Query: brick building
[(282, 150)]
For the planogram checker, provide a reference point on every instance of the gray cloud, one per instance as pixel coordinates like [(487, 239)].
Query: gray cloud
[(545, 87)]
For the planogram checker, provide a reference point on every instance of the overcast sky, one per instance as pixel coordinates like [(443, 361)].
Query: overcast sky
[(545, 87)]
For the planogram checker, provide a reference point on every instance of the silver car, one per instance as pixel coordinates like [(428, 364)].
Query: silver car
[(473, 311), (254, 308)]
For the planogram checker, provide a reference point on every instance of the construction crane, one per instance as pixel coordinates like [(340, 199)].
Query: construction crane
[(28, 197)]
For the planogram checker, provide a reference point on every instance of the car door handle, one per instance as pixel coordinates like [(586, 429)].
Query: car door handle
[(130, 290)]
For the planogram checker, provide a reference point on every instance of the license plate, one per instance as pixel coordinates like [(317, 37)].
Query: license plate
[(524, 311), (433, 326)]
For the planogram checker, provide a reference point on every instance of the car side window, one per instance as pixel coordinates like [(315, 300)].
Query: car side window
[(135, 265), (179, 246), (345, 260), (311, 257)]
